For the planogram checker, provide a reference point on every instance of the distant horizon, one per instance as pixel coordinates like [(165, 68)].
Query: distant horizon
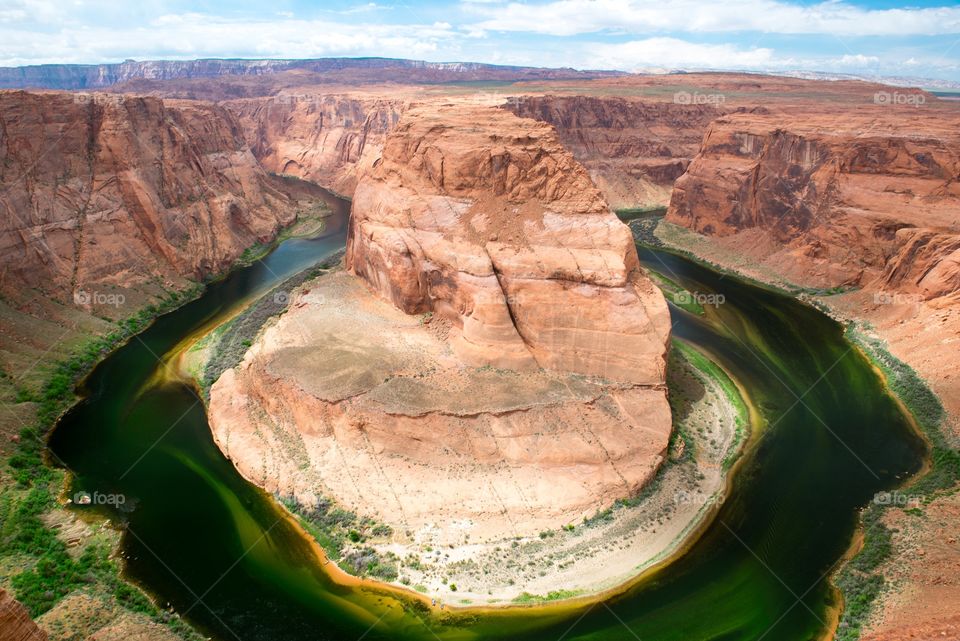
[(815, 74), (864, 38)]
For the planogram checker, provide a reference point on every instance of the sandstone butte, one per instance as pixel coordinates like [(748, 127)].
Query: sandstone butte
[(500, 355)]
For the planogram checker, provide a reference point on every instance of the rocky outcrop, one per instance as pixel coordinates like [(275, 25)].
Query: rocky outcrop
[(848, 198), (633, 149), (15, 622), (329, 139), (112, 191), (865, 200), (497, 369), (486, 220)]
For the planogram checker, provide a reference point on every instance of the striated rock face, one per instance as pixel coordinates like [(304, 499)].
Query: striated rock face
[(497, 368), (486, 220), (327, 139), (633, 149), (867, 199), (115, 191), (858, 199), (15, 623)]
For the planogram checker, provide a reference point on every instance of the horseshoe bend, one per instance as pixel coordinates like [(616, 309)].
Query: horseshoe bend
[(489, 365), (375, 349)]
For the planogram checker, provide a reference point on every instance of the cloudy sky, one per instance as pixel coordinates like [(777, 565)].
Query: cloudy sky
[(920, 38)]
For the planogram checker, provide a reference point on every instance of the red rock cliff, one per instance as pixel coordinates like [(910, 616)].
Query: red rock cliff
[(118, 190), (865, 198), (485, 219), (633, 149), (326, 139)]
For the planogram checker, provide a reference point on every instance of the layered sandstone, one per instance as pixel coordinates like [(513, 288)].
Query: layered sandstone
[(634, 149), (867, 200), (113, 191), (15, 622), (849, 198), (329, 139), (493, 366), (486, 220)]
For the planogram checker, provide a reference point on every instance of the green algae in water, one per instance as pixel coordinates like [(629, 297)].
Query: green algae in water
[(222, 552)]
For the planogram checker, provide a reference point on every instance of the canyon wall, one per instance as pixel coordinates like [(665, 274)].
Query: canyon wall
[(634, 149), (105, 190), (326, 139), (868, 201), (15, 622), (485, 219), (852, 200)]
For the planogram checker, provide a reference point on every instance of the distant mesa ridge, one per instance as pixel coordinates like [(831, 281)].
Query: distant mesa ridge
[(98, 76)]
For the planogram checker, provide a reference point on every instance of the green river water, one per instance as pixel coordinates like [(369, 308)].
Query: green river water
[(218, 550)]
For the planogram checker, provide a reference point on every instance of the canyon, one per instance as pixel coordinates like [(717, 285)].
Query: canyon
[(867, 205), (483, 250), (518, 381)]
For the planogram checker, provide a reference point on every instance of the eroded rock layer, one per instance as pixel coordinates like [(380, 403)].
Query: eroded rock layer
[(112, 190), (493, 366), (486, 220), (633, 149), (325, 138), (863, 199), (867, 202)]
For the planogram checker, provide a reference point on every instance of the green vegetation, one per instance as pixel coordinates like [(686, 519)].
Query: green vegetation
[(555, 595), (310, 222), (632, 213), (49, 570), (861, 580), (339, 532), (229, 342), (715, 372)]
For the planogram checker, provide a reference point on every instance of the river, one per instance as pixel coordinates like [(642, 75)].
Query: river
[(221, 553)]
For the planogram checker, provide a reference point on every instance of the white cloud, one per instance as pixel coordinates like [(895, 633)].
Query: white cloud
[(672, 53), (570, 17), (192, 35), (858, 59)]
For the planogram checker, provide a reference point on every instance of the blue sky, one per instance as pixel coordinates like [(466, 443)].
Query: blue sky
[(920, 39)]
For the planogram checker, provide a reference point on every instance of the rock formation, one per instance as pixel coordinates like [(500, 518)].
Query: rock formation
[(633, 149), (497, 368), (328, 139), (15, 622), (486, 220), (107, 190), (867, 200), (849, 198), (354, 70)]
